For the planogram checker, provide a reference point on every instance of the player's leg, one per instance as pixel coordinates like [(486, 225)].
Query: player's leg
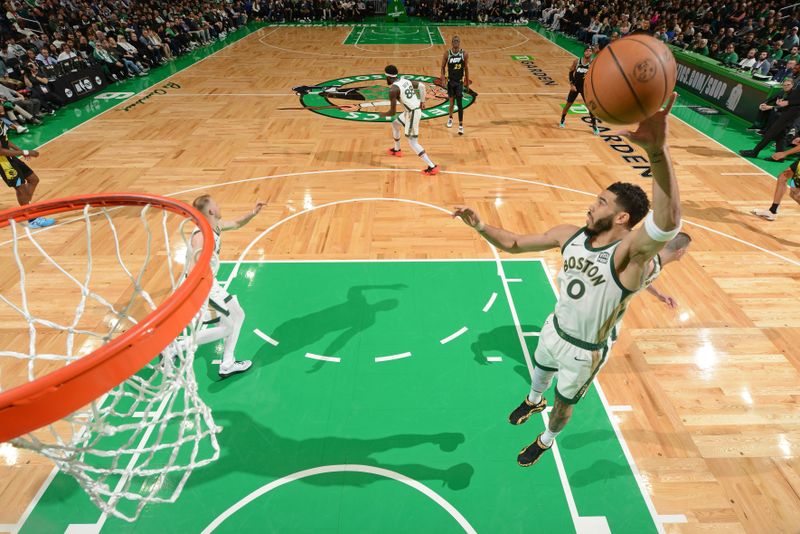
[(231, 319), (419, 151), (595, 129), (396, 128), (570, 99), (545, 368), (411, 121), (780, 189), (27, 181), (451, 96), (577, 367), (460, 100)]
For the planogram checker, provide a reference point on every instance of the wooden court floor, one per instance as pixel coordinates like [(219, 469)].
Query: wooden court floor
[(713, 387)]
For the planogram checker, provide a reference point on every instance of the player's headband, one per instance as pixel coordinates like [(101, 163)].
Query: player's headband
[(391, 73)]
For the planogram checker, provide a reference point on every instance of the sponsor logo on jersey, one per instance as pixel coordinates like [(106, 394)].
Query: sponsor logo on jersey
[(603, 257), (362, 90)]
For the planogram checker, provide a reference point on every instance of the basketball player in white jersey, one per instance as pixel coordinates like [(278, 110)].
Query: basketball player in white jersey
[(230, 316), (605, 263), (411, 95), (673, 251)]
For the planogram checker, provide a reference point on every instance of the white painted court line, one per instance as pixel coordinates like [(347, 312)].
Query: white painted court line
[(586, 524), (741, 173), (489, 304), (620, 438), (494, 359), (393, 357), (673, 518), (514, 280), (14, 529), (621, 408), (354, 468), (216, 362), (531, 334), (265, 337), (454, 335), (333, 359)]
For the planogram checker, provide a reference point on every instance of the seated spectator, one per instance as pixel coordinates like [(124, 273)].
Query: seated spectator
[(748, 62), (119, 55), (784, 72), (700, 47), (729, 56), (763, 65), (769, 111), (775, 133), (66, 53), (26, 107), (114, 69), (40, 89), (791, 39), (44, 58)]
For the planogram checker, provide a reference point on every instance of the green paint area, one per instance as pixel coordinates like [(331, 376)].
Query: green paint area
[(725, 128), (381, 34), (437, 416)]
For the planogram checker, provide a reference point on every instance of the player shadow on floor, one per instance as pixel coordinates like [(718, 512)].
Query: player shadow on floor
[(353, 316), (504, 341), (721, 214), (276, 456), (598, 473)]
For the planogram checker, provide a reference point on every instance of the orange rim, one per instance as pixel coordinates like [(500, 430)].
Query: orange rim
[(58, 394)]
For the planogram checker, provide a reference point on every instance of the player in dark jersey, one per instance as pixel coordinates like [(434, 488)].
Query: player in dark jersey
[(576, 75), (16, 174), (787, 179), (455, 61)]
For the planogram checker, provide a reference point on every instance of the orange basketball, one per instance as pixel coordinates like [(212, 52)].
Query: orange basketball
[(630, 79)]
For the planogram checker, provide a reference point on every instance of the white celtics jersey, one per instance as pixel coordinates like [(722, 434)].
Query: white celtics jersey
[(591, 297), (214, 254), (408, 95)]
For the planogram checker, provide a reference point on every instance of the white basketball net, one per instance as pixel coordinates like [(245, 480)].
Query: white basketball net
[(139, 443)]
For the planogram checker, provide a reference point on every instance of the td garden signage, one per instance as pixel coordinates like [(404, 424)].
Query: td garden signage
[(363, 97)]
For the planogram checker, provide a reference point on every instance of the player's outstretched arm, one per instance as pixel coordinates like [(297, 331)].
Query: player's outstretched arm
[(642, 244), (515, 243), (241, 221)]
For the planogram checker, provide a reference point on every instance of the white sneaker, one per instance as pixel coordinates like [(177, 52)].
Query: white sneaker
[(764, 214), (450, 122), (460, 130), (235, 368)]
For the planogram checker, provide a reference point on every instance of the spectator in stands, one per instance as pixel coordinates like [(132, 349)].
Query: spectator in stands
[(119, 56), (749, 61), (40, 89), (44, 58), (769, 111), (791, 39), (787, 71), (66, 53), (762, 65), (790, 112), (26, 107), (729, 56), (113, 68), (700, 47)]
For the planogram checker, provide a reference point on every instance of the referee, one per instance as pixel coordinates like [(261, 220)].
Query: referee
[(455, 60)]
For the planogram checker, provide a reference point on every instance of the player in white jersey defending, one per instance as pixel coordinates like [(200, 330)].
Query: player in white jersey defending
[(605, 263), (230, 315), (411, 95)]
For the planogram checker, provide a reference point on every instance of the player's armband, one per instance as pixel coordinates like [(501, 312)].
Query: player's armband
[(656, 233)]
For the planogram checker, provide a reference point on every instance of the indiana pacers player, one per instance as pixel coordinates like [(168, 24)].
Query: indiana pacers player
[(577, 73), (605, 263), (411, 94), (455, 61)]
